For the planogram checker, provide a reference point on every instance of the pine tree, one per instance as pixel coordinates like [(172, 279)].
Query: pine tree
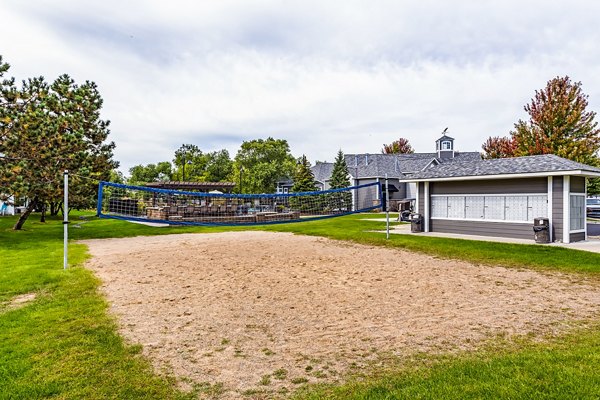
[(339, 175), (304, 179), (46, 129), (339, 201)]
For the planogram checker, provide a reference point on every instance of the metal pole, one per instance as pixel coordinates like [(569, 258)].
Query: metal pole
[(66, 221), (241, 179), (387, 208)]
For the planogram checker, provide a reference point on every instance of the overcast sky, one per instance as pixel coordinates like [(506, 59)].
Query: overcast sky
[(322, 74)]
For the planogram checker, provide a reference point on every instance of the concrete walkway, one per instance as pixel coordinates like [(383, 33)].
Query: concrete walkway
[(592, 245)]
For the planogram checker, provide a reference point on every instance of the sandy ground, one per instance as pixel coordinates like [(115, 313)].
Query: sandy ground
[(268, 311)]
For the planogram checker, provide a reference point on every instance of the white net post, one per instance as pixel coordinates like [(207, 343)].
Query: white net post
[(66, 221)]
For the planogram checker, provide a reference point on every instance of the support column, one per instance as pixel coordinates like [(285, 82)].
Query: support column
[(566, 209), (426, 207), (417, 198), (550, 208)]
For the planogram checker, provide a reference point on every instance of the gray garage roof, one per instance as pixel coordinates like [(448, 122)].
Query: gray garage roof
[(546, 163)]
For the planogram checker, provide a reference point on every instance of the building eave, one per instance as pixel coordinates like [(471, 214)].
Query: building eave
[(583, 173)]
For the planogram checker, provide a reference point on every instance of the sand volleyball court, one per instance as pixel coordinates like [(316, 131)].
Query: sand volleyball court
[(261, 311)]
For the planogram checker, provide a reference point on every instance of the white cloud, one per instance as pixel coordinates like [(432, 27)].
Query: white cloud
[(323, 75)]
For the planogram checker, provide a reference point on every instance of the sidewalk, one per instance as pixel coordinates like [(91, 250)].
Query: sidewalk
[(590, 245)]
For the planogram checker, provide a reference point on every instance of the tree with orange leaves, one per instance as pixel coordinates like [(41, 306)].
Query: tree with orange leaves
[(559, 123)]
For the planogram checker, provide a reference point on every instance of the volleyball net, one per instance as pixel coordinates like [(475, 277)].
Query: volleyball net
[(139, 203)]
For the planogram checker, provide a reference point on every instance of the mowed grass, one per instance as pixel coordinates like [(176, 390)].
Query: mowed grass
[(64, 345)]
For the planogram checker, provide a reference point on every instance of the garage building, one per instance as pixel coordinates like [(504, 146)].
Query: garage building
[(501, 197)]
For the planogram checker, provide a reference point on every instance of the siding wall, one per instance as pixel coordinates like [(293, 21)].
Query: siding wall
[(504, 186), (483, 228), (401, 193), (421, 189), (557, 208), (365, 198), (576, 237), (491, 186)]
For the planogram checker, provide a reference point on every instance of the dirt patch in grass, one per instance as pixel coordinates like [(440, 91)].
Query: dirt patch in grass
[(261, 312), (18, 301)]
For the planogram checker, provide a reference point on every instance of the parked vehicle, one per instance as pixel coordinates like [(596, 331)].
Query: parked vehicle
[(592, 207)]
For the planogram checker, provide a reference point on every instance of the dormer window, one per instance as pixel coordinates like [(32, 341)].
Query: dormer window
[(446, 145)]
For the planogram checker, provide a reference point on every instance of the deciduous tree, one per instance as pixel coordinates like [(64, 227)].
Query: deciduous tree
[(400, 146), (559, 123), (219, 166), (141, 174), (190, 163), (261, 162), (499, 147)]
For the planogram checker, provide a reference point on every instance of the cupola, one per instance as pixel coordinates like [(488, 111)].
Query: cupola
[(444, 146)]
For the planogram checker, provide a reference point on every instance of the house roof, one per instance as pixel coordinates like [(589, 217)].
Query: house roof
[(409, 165), (459, 156), (394, 165), (445, 137), (546, 164), (322, 171), (373, 165)]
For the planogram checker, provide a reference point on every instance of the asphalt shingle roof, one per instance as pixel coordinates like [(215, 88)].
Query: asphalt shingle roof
[(322, 171), (502, 166), (394, 165), (373, 165)]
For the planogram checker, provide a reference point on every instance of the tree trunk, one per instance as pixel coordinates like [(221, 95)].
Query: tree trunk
[(55, 207), (25, 215), (43, 216)]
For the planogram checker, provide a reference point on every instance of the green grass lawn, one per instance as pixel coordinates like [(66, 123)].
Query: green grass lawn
[(64, 344)]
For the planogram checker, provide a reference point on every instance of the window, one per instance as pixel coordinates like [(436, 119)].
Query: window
[(537, 206), (577, 212), (456, 207), (439, 206), (494, 207), (474, 207), (515, 208), (446, 145)]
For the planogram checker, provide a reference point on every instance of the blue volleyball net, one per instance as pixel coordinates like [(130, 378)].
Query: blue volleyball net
[(139, 203)]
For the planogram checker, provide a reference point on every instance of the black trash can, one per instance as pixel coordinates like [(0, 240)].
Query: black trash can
[(541, 230), (416, 223)]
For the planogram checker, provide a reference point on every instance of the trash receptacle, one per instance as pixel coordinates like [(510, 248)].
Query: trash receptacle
[(416, 223), (541, 230)]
